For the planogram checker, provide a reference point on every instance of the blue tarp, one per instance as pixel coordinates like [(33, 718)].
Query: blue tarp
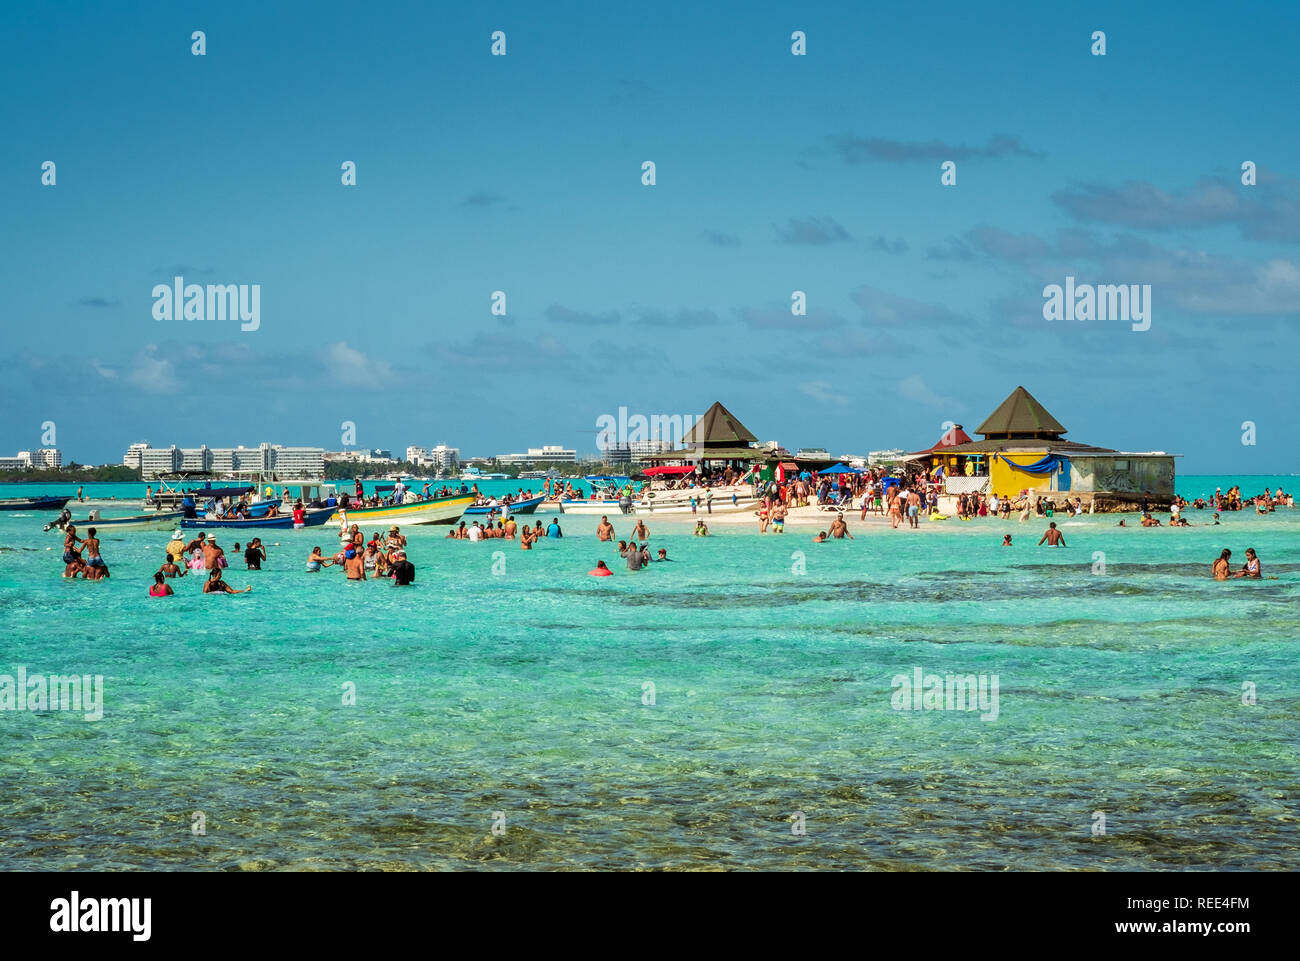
[(1047, 465)]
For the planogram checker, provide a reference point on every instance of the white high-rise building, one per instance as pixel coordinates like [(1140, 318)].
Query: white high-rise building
[(445, 458), (133, 453), (417, 455), (50, 457), (285, 461), (549, 454), (21, 461)]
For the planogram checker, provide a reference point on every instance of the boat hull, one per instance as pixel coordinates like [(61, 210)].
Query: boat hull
[(439, 510), (33, 503), (599, 506), (679, 501), (313, 518), (522, 507), (159, 520)]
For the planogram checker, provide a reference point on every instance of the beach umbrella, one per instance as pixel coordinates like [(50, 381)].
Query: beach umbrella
[(840, 468)]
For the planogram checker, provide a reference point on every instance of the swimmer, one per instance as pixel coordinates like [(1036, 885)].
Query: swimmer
[(663, 555), (1121, 523), (1251, 567), (215, 585), (160, 587), (403, 571), (840, 528), (353, 565), (640, 532), (604, 530), (820, 538), (600, 570), (1219, 570), (73, 568), (526, 538), (622, 548), (170, 568), (95, 572), (553, 529), (701, 529), (1006, 540), (316, 560), (1053, 537), (176, 546), (91, 546)]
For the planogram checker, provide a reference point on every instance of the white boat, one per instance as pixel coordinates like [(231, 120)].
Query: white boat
[(158, 520), (737, 497), (597, 505)]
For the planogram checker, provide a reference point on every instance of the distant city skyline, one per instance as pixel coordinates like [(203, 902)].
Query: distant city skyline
[(501, 273)]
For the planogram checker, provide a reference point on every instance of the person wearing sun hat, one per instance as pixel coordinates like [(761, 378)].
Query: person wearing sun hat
[(176, 546)]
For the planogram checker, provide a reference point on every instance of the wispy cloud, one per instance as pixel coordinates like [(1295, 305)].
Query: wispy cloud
[(812, 230), (481, 199), (858, 150), (559, 314), (887, 246), (777, 316), (356, 367), (719, 239), (683, 317), (823, 392), (99, 302), (883, 309), (180, 270), (915, 389), (1269, 211)]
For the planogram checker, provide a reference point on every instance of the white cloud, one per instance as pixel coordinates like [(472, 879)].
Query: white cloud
[(915, 389), (351, 364), (152, 373)]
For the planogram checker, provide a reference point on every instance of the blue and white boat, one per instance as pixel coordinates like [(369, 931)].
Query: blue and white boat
[(528, 506)]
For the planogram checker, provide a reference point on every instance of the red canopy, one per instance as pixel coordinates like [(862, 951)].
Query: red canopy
[(680, 469)]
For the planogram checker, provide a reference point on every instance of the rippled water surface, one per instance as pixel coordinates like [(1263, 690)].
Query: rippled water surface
[(511, 682)]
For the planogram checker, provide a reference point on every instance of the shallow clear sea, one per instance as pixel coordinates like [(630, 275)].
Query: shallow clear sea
[(509, 681)]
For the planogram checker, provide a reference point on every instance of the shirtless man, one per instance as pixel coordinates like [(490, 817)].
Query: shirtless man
[(71, 552), (354, 566), (1053, 537), (821, 536), (913, 508), (840, 529), (639, 532), (604, 530), (212, 554), (91, 546)]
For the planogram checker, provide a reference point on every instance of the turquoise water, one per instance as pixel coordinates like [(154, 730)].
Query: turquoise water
[(509, 681)]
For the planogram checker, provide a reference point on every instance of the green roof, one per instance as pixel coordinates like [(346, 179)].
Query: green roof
[(1021, 416), (718, 427)]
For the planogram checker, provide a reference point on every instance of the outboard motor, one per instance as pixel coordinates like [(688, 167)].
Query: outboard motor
[(625, 504), (94, 516), (61, 521)]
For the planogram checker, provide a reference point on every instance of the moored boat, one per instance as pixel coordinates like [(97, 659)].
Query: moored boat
[(527, 506), (42, 503), (158, 520), (311, 518), (737, 497), (435, 510)]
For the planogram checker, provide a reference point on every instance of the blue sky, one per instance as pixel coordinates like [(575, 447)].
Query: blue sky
[(522, 173)]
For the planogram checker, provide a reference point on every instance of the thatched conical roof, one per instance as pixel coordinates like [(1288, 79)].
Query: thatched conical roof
[(1021, 416)]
